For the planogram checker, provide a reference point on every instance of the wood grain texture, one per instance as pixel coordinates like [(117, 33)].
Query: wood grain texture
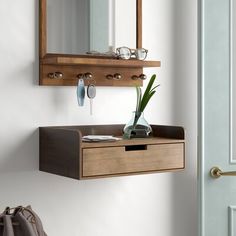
[(62, 151), (117, 161), (99, 68), (131, 142), (99, 75), (139, 17), (161, 131), (59, 151), (103, 62), (42, 28), (164, 131)]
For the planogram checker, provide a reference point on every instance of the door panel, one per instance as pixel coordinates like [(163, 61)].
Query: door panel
[(218, 196), (232, 220)]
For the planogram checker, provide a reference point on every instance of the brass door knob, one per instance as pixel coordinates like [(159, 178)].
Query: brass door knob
[(216, 172)]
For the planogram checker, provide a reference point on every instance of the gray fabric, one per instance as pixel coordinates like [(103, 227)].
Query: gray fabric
[(25, 228), (22, 222), (8, 228), (38, 223)]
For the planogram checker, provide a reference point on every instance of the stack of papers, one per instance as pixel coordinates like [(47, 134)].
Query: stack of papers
[(99, 138)]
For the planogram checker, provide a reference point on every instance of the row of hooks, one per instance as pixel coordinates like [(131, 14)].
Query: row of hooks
[(89, 76), (118, 76)]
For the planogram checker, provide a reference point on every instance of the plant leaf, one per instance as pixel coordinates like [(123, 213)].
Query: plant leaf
[(154, 87), (140, 98), (149, 86), (142, 101), (146, 100), (147, 93), (139, 95)]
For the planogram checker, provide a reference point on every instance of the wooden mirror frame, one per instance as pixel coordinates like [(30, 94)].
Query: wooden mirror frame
[(43, 28), (63, 69)]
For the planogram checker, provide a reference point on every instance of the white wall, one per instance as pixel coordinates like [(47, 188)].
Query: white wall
[(157, 204)]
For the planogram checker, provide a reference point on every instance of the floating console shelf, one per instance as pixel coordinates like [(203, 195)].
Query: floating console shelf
[(62, 152)]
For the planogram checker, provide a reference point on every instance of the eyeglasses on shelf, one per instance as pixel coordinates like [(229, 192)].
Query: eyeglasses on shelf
[(127, 53)]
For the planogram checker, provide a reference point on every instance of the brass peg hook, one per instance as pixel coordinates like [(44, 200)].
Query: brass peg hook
[(88, 75), (55, 75), (141, 77), (117, 76)]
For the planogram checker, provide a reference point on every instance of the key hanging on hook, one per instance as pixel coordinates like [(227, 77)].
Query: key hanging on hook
[(80, 92), (91, 93)]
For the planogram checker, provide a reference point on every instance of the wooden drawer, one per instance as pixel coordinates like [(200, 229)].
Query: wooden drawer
[(132, 159)]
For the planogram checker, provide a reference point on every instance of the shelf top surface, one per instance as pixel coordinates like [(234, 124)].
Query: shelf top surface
[(161, 134), (72, 60), (129, 142)]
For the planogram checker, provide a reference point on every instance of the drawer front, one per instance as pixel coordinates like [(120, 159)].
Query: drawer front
[(132, 159)]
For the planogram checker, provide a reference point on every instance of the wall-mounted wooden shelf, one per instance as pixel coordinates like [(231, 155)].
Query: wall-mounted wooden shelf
[(104, 62), (62, 152), (71, 66)]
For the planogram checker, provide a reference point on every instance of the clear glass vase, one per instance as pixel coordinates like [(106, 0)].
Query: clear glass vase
[(137, 127)]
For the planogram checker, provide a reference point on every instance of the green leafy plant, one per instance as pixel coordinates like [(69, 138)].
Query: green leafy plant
[(142, 101)]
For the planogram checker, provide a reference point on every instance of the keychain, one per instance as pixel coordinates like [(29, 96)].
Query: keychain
[(91, 93), (80, 92)]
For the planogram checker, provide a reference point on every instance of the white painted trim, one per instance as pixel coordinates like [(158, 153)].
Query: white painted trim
[(112, 24), (232, 210), (201, 216), (231, 159)]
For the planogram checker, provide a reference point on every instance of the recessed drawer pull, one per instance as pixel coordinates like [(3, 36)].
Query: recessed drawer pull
[(135, 148)]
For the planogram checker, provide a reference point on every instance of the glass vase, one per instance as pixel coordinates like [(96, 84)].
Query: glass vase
[(137, 127)]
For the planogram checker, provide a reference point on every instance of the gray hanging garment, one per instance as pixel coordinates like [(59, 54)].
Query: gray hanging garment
[(22, 222)]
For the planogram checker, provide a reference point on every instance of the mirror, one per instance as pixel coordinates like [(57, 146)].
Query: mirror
[(80, 26)]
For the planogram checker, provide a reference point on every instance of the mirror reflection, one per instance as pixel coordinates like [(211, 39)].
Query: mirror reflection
[(81, 26)]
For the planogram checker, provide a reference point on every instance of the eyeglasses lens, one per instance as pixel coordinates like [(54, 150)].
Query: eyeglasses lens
[(140, 53), (124, 53)]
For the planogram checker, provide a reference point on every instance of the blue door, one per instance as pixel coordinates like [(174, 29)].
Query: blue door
[(217, 120)]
